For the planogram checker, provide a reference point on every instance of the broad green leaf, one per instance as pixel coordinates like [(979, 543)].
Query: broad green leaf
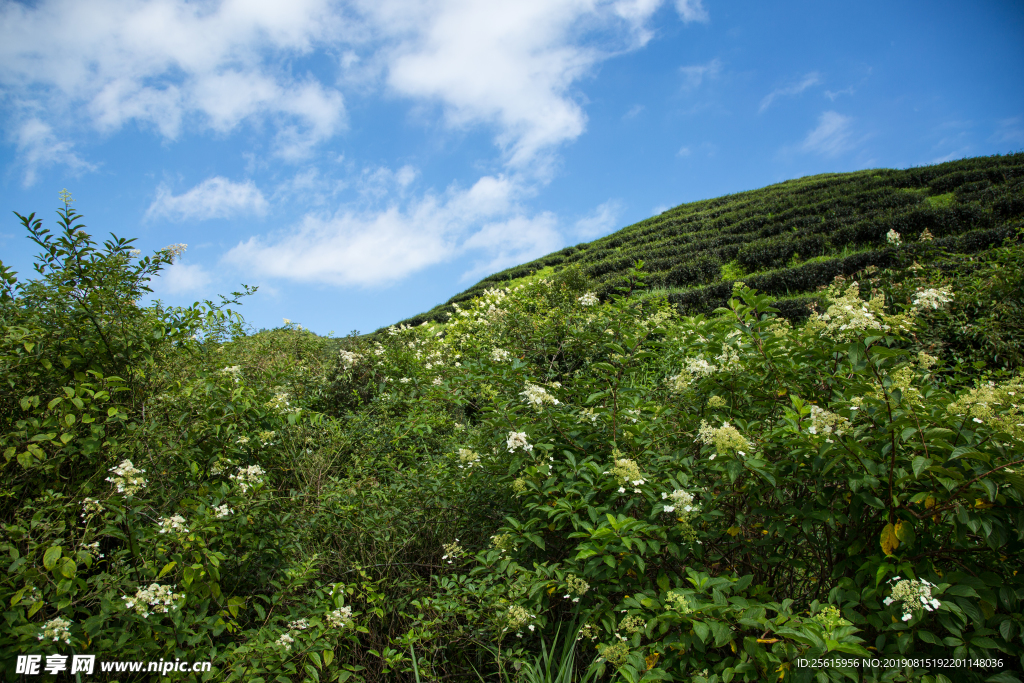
[(51, 556)]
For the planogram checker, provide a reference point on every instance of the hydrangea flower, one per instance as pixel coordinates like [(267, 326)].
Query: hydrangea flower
[(518, 440), (128, 479), (56, 629), (913, 594), (155, 598)]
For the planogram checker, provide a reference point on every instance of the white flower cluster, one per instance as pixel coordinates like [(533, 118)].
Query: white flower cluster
[(349, 358), (468, 458), (627, 472), (537, 396), (175, 250), (222, 511), (280, 402), (93, 549), (931, 298), (893, 238), (503, 542), (911, 592), (156, 598), (693, 369), (680, 499), (849, 314), (518, 617), (724, 438), (452, 551), (90, 507), (175, 524), (299, 624), (248, 477), (518, 440), (824, 422), (678, 602), (589, 299), (500, 355), (285, 641), (129, 479), (576, 586), (233, 370), (340, 617), (587, 414), (997, 405), (55, 630)]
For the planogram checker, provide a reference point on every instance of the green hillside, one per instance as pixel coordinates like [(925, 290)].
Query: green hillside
[(789, 239)]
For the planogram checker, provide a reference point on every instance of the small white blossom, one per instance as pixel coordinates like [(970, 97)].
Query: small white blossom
[(175, 524), (589, 299), (248, 477), (129, 479), (56, 629), (518, 440)]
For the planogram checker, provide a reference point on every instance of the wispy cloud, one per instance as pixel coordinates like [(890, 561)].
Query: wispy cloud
[(162, 63), (215, 197), (376, 247), (831, 136), (38, 147), (832, 95), (633, 112), (174, 64), (695, 75), (793, 89), (181, 278), (600, 221), (692, 10)]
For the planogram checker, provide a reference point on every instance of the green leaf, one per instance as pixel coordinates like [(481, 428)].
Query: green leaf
[(920, 463), (51, 556), (36, 606), (68, 568), (167, 567), (315, 656), (328, 657)]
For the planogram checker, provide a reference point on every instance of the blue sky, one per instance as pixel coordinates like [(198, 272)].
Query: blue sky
[(363, 160)]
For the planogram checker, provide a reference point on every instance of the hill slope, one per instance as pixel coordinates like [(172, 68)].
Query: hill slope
[(791, 238)]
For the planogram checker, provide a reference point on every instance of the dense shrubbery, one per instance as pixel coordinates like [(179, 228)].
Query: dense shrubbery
[(969, 206), (692, 499)]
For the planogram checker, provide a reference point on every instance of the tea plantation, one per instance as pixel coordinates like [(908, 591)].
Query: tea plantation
[(789, 239)]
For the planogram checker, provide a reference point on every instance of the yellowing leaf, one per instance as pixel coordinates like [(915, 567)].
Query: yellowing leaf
[(889, 540), (929, 502), (733, 531)]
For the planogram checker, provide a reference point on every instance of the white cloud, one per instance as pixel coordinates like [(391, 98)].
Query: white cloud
[(377, 247), (633, 112), (180, 67), (696, 74), (163, 62), (692, 10), (684, 151), (38, 148), (600, 221), (831, 137), (795, 89), (510, 242), (509, 64), (832, 95), (215, 197), (181, 278)]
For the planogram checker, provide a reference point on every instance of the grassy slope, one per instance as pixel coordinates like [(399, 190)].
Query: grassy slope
[(789, 239)]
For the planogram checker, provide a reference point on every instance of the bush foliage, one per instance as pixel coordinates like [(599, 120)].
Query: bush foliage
[(693, 498)]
